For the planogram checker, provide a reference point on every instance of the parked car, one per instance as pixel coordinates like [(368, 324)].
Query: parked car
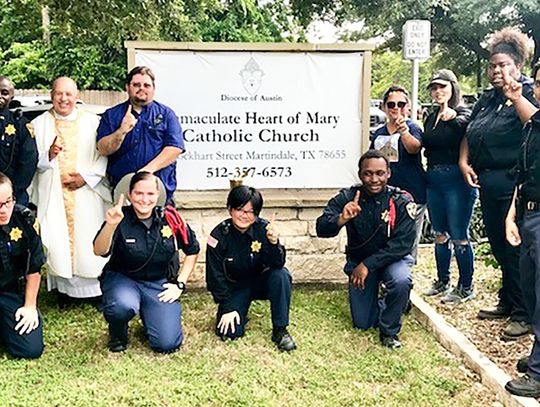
[(376, 118), (32, 106)]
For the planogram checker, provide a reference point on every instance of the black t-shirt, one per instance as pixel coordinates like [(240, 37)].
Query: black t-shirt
[(442, 140), (495, 134)]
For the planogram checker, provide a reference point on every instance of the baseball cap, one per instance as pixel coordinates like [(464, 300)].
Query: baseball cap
[(442, 77)]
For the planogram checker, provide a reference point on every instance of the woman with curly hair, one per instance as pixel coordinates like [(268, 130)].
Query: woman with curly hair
[(488, 155)]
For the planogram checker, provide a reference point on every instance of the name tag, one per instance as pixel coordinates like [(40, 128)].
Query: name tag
[(130, 240)]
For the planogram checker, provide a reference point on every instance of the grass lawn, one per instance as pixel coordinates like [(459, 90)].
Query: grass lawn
[(334, 365)]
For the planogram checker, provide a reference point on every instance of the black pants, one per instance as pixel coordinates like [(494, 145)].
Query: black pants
[(274, 285), (496, 192)]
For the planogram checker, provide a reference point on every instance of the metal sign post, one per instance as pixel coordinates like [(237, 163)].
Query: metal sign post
[(416, 47)]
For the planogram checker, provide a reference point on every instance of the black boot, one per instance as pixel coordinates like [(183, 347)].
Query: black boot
[(283, 340), (118, 339)]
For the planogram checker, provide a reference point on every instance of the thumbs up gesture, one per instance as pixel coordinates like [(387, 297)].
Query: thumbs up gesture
[(271, 231), (114, 215), (352, 209), (128, 122)]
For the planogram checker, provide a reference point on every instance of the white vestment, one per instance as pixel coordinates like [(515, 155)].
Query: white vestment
[(71, 270)]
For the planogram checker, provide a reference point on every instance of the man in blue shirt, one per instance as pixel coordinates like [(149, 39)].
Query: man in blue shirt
[(141, 134)]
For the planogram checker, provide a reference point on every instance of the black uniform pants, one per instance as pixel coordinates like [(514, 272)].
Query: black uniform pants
[(274, 285), (27, 346), (496, 192)]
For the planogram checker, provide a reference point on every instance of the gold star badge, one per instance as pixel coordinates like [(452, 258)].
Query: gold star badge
[(256, 246), (15, 234), (10, 129), (166, 231), (385, 216)]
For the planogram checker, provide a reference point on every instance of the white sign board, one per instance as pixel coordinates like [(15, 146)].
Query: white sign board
[(281, 119), (416, 39)]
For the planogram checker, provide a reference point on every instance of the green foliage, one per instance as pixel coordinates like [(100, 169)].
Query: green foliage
[(87, 37), (334, 365), (483, 251)]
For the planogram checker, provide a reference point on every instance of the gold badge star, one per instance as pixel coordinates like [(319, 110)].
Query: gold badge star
[(15, 234), (10, 129), (385, 216), (256, 246), (166, 231)]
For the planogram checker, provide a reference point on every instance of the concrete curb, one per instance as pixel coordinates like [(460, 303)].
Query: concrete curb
[(490, 374)]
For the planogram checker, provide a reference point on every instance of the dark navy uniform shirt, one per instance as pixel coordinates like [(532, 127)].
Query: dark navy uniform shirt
[(157, 127), (235, 258), (528, 166), (371, 239), (18, 153), (442, 141), (21, 251), (144, 252), (407, 172), (495, 134)]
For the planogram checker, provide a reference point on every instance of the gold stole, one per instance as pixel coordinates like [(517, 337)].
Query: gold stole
[(66, 131)]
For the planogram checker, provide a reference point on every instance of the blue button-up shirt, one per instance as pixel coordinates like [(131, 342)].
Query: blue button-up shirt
[(157, 127)]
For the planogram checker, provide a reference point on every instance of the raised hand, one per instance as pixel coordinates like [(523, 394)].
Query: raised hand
[(352, 209), (401, 123), (447, 113), (55, 149), (271, 231), (129, 121), (114, 215), (512, 89)]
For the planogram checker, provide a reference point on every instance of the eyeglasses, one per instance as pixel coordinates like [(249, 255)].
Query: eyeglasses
[(7, 204), (245, 212), (392, 105)]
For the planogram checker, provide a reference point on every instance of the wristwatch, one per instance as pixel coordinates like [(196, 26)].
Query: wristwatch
[(181, 285)]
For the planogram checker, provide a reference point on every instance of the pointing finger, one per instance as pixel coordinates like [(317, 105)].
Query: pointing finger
[(121, 200), (356, 197)]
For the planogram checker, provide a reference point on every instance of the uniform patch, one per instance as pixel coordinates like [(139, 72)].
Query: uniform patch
[(212, 241), (166, 231), (30, 128), (411, 209), (10, 129), (15, 234), (36, 225), (385, 215), (256, 246), (130, 240)]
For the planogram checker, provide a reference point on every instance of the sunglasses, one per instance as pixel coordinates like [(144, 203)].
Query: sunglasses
[(392, 105)]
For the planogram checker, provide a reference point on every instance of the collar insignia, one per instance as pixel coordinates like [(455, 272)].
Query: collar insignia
[(15, 234), (256, 246)]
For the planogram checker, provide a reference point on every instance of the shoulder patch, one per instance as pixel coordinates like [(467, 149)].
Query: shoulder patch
[(212, 241), (411, 210), (30, 129)]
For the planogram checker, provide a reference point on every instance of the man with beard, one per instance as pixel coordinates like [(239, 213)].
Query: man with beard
[(141, 134), (18, 151)]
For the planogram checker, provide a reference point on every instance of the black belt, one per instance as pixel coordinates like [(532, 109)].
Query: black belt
[(532, 206)]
